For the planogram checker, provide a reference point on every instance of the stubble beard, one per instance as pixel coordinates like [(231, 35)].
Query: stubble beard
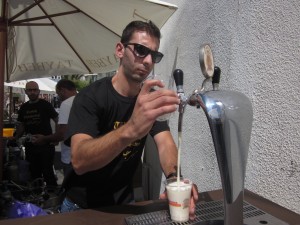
[(33, 98), (135, 78)]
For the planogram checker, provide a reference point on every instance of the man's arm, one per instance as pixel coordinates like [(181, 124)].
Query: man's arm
[(89, 153), (167, 151), (55, 120), (59, 133), (19, 130), (58, 136)]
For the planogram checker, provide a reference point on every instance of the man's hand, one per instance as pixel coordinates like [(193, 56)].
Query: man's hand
[(39, 139), (150, 105), (193, 200)]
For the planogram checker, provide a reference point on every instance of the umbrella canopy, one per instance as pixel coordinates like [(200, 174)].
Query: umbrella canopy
[(42, 38), (45, 84), (50, 37)]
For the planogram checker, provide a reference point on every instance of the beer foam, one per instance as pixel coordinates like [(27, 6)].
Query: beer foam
[(181, 186)]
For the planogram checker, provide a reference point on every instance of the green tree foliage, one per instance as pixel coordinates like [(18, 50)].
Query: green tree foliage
[(77, 79), (80, 84)]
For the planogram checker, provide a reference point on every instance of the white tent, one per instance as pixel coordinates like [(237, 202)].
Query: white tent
[(45, 84)]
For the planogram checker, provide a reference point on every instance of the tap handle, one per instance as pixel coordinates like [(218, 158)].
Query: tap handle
[(178, 77), (216, 76)]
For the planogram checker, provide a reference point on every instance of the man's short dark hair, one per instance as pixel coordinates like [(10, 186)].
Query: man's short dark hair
[(67, 84), (134, 26)]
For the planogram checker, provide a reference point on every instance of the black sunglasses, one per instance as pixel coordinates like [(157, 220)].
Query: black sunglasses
[(142, 51)]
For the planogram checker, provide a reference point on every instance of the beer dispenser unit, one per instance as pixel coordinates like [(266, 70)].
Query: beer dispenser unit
[(230, 116)]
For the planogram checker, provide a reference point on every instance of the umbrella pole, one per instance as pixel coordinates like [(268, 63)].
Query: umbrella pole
[(3, 32), (11, 104)]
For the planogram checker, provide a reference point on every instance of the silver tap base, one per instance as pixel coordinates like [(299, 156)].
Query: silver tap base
[(230, 115), (211, 213), (213, 222)]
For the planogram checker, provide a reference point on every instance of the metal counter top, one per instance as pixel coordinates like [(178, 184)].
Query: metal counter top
[(116, 215)]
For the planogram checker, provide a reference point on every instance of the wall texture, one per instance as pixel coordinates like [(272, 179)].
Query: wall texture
[(257, 46)]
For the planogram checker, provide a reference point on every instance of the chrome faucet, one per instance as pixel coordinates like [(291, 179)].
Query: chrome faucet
[(229, 114)]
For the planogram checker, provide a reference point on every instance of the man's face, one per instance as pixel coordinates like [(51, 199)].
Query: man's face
[(60, 94), (138, 68), (32, 90)]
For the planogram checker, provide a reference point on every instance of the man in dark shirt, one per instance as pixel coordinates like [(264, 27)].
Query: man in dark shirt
[(109, 123), (34, 117)]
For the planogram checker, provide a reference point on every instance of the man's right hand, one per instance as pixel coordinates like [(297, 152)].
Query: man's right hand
[(150, 105)]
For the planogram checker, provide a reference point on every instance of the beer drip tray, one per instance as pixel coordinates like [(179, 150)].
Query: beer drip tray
[(206, 211)]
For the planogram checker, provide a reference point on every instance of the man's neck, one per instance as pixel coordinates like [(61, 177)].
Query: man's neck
[(125, 87), (33, 101)]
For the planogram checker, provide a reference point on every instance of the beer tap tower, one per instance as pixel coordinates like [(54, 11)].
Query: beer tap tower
[(229, 114)]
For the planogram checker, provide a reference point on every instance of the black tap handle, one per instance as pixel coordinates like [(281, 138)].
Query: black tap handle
[(217, 75), (178, 77)]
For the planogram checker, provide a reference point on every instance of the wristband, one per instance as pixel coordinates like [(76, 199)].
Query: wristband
[(173, 175)]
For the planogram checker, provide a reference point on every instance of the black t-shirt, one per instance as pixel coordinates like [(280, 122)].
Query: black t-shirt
[(36, 117), (97, 110)]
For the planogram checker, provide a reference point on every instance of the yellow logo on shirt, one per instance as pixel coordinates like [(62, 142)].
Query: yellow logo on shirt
[(129, 151)]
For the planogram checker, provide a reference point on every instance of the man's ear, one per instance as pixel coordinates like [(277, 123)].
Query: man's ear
[(120, 50)]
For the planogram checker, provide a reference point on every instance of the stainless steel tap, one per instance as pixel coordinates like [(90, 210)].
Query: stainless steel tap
[(229, 114)]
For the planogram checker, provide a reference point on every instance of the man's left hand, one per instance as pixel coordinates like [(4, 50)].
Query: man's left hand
[(193, 200), (38, 139)]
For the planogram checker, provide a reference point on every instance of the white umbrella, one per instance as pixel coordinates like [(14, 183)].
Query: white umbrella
[(50, 37), (42, 38)]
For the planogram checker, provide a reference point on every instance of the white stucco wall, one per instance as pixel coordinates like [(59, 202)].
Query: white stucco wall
[(257, 46)]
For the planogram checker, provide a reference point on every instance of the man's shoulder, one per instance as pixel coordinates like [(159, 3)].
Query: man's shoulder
[(43, 101), (97, 86), (102, 82), (24, 104), (47, 107)]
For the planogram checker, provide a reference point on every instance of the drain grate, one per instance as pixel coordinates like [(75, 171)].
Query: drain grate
[(206, 211)]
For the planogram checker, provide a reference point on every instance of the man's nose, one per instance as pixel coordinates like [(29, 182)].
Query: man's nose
[(148, 59)]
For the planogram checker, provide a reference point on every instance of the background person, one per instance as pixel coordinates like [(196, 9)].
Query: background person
[(109, 123), (34, 117), (66, 91)]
